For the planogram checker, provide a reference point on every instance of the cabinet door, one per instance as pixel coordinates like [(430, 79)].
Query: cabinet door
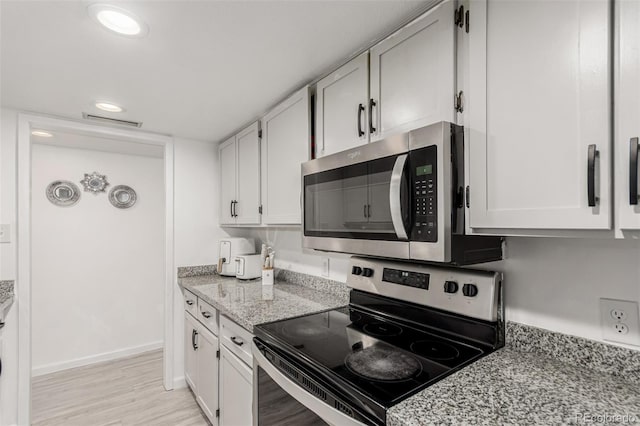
[(208, 374), (539, 98), (236, 390), (627, 113), (413, 74), (248, 167), (227, 152), (190, 360), (341, 108), (285, 146)]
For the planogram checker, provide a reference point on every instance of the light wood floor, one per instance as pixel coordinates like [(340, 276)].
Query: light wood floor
[(127, 391)]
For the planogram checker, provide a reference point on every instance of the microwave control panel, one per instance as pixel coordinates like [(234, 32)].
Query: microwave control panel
[(424, 186)]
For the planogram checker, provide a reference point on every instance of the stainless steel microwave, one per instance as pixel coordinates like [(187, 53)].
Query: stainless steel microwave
[(401, 197)]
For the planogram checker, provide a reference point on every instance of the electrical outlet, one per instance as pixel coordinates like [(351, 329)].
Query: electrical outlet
[(620, 321), (325, 266), (5, 236)]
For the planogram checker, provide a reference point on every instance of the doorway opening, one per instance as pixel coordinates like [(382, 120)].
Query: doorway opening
[(95, 266)]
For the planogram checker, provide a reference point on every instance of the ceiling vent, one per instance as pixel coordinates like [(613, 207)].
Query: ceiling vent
[(94, 117)]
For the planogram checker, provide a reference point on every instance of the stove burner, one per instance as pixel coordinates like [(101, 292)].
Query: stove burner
[(435, 350), (382, 329), (304, 331), (383, 363), (354, 316)]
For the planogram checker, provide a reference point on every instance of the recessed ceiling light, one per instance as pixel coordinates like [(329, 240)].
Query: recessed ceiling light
[(109, 107), (41, 133), (118, 20)]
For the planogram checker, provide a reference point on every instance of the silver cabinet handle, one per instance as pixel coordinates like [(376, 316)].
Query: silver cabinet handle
[(395, 202), (206, 314)]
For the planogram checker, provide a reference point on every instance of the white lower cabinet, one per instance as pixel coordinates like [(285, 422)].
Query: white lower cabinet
[(236, 390), (218, 364), (207, 395), (201, 365), (190, 361)]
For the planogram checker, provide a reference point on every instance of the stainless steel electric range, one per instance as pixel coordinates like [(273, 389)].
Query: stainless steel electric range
[(407, 326)]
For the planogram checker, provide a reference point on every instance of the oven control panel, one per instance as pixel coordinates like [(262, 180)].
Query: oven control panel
[(470, 292), (424, 184), (412, 279)]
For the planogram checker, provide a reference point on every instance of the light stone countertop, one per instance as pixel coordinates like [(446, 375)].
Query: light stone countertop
[(539, 378), (6, 291), (248, 303)]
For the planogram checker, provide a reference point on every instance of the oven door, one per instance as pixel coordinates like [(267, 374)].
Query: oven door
[(280, 401), (358, 201)]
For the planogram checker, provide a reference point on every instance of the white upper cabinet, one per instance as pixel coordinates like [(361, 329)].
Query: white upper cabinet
[(228, 182), (413, 75), (539, 114), (285, 146), (240, 178), (341, 108), (627, 113), (247, 208)]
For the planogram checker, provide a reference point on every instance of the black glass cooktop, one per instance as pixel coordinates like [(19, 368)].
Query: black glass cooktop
[(385, 360)]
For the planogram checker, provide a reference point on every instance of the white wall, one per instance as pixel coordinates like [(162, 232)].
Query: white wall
[(196, 233), (196, 222), (9, 335), (97, 279), (552, 283)]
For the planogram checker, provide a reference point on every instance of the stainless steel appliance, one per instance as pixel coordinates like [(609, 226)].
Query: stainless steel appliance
[(401, 197), (406, 327)]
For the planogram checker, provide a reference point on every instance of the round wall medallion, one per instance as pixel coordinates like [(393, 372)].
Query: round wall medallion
[(63, 193), (94, 183), (122, 196)]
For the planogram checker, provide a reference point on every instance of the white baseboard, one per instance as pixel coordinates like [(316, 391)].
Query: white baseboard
[(179, 383), (92, 359)]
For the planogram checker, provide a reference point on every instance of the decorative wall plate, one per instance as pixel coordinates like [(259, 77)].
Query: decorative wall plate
[(122, 196), (94, 183), (63, 193)]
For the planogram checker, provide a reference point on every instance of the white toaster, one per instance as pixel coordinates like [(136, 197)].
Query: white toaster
[(248, 266)]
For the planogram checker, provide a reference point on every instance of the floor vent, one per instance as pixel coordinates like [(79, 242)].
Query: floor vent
[(88, 116)]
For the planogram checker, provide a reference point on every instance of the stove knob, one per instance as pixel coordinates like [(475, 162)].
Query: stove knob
[(367, 272), (356, 270), (469, 290), (450, 287)]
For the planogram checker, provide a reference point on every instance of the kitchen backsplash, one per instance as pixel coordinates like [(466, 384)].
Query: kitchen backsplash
[(551, 283)]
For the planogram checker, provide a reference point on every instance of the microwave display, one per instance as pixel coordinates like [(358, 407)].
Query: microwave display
[(424, 170)]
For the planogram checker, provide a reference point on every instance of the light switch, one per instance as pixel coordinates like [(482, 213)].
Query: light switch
[(5, 233)]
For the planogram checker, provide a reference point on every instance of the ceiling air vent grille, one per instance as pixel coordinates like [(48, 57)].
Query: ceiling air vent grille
[(88, 116)]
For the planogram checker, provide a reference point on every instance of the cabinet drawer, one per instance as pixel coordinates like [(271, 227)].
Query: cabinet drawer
[(208, 316), (191, 303), (236, 339)]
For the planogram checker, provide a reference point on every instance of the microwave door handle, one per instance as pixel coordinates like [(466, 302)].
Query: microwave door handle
[(395, 202)]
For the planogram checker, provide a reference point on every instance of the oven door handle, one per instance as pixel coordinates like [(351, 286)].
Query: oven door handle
[(324, 411), (395, 197)]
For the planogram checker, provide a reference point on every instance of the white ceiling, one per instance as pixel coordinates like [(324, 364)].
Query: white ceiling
[(205, 69)]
